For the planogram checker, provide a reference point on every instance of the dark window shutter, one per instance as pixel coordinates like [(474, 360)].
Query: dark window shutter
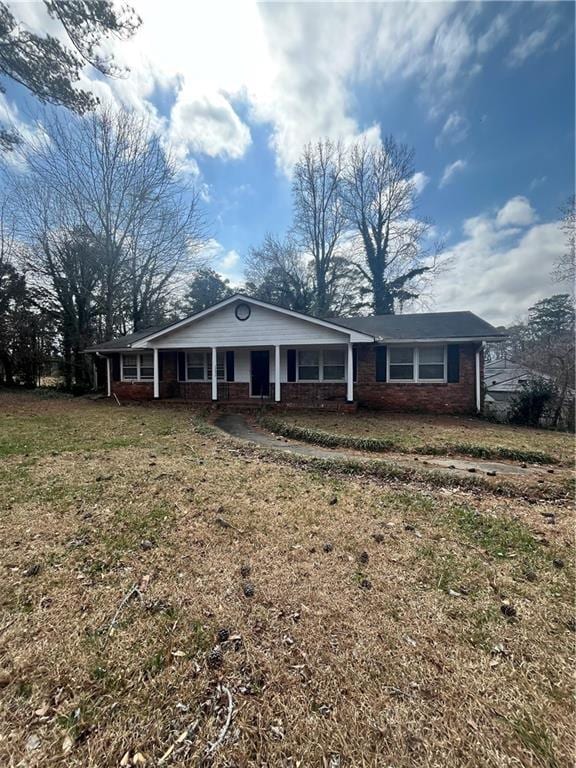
[(355, 364), (291, 364), (181, 366), (230, 365), (115, 367), (381, 363), (453, 363)]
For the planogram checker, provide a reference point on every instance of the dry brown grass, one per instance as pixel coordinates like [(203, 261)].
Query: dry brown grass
[(327, 672), (418, 431)]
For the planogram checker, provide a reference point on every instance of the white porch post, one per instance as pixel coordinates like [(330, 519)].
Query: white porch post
[(214, 374), (277, 386), (478, 383), (350, 374), (109, 376), (156, 374)]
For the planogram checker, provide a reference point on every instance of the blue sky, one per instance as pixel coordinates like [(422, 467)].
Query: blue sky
[(484, 92)]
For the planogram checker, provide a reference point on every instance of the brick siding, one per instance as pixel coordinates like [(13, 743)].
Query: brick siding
[(425, 398)]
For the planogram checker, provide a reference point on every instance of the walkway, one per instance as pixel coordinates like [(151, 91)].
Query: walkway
[(236, 425)]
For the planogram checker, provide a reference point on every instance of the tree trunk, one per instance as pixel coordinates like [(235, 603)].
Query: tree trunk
[(382, 302)]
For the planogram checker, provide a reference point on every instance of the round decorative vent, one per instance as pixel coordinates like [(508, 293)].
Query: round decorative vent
[(242, 311)]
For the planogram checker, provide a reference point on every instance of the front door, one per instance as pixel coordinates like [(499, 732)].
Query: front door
[(260, 366)]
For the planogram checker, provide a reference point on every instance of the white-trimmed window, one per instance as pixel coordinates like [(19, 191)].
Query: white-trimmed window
[(321, 365), (431, 363), (138, 367), (401, 363), (199, 366), (333, 365), (417, 364)]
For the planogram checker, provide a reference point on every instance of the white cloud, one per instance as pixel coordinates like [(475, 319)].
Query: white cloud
[(496, 32), (530, 44), (207, 124), (227, 263), (499, 272), (293, 66), (451, 170), (517, 212), (537, 181), (454, 130), (420, 181)]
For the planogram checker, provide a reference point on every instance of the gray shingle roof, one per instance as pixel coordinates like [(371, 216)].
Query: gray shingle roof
[(124, 342), (425, 325), (414, 327)]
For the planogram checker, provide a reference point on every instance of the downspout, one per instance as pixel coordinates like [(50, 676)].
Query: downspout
[(478, 382)]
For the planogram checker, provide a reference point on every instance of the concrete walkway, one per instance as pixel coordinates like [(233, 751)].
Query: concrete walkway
[(236, 425)]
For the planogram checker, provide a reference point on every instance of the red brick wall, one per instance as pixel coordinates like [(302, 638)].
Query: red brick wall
[(201, 391), (425, 398), (312, 393), (170, 387)]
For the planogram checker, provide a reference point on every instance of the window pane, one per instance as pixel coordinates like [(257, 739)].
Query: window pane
[(195, 374), (129, 366), (431, 355), (402, 372), (309, 372), (309, 365), (309, 357), (431, 371), (146, 373), (147, 359), (195, 366), (334, 357), (402, 355), (334, 372)]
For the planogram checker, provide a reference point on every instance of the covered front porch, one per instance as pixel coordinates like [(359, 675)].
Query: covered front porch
[(243, 374)]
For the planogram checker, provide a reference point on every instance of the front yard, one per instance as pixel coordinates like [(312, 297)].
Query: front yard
[(172, 597), (442, 434)]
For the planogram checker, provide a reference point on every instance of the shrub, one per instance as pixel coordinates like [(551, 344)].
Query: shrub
[(532, 401)]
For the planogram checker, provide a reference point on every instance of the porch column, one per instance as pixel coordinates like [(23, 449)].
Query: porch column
[(350, 374), (277, 386), (478, 381), (214, 374), (109, 375), (156, 374)]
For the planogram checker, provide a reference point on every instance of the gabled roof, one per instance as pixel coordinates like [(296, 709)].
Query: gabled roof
[(141, 338), (426, 326)]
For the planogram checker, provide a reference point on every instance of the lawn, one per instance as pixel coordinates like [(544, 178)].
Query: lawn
[(172, 597), (416, 433)]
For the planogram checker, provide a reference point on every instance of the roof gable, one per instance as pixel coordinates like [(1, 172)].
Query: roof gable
[(284, 325)]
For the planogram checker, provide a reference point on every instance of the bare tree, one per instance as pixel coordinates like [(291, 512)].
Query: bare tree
[(277, 272), (319, 220), (379, 198), (565, 267), (108, 175)]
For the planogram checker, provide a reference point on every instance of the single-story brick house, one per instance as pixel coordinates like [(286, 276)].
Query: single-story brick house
[(245, 350)]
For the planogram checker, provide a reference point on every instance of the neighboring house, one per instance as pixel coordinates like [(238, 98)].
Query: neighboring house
[(242, 349), (503, 380)]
